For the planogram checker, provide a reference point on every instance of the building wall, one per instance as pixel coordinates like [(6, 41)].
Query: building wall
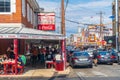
[(28, 15), (4, 44), (22, 13), (12, 17)]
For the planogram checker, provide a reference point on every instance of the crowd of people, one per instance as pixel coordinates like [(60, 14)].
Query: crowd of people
[(38, 55), (43, 54)]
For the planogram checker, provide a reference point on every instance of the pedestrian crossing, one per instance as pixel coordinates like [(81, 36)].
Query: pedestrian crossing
[(92, 74)]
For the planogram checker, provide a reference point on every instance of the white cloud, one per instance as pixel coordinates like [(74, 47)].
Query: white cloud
[(95, 4), (49, 6)]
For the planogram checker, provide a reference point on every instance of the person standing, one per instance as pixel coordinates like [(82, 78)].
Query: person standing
[(10, 52), (95, 57), (34, 52)]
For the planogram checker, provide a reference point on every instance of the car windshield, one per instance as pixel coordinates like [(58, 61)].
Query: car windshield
[(81, 54), (103, 53)]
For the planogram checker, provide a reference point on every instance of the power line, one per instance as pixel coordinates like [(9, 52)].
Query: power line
[(83, 23), (74, 21)]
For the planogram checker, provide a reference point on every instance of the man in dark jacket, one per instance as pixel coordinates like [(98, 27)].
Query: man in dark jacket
[(95, 54)]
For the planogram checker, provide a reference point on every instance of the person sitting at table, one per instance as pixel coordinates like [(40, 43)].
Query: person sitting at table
[(5, 57), (1, 65), (21, 62)]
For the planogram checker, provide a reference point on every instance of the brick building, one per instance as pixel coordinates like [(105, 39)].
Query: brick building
[(17, 13)]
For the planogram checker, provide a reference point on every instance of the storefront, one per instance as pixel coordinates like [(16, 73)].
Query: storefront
[(22, 33)]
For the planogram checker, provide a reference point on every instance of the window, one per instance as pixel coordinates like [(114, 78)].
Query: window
[(28, 12), (5, 6), (23, 8)]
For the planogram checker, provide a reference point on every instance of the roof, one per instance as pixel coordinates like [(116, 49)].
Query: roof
[(27, 33)]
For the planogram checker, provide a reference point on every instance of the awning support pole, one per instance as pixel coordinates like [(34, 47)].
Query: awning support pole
[(63, 53), (16, 53)]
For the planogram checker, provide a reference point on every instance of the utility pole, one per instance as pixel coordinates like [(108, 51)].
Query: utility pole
[(101, 25), (117, 23), (63, 44), (62, 18)]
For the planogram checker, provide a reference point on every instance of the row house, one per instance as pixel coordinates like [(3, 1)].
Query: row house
[(17, 13)]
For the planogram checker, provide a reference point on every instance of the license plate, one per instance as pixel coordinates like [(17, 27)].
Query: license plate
[(105, 57), (82, 59)]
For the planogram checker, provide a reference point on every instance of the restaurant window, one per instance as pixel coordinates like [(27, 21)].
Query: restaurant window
[(5, 5)]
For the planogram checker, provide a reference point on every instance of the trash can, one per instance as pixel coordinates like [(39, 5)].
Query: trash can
[(59, 66)]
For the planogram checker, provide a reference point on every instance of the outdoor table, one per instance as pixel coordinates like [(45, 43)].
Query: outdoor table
[(6, 64), (49, 63)]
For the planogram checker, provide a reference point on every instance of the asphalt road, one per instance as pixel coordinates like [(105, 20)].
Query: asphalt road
[(101, 72)]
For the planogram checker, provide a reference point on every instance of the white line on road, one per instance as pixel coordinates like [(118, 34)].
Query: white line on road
[(81, 75), (99, 74)]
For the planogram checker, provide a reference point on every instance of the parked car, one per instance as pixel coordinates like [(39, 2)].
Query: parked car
[(81, 58), (114, 54), (90, 52), (105, 57)]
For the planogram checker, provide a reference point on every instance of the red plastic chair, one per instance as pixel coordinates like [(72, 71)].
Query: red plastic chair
[(18, 67), (49, 64), (21, 69)]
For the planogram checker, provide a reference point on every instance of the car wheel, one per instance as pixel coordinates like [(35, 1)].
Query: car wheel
[(111, 63), (72, 66), (118, 63)]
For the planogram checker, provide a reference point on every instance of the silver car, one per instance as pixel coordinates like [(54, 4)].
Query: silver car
[(105, 57), (81, 59)]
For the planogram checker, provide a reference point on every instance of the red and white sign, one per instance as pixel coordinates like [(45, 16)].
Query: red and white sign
[(46, 21)]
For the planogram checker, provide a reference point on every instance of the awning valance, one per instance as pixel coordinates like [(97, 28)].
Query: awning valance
[(27, 33)]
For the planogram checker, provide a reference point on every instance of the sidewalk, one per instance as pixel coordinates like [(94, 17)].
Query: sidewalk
[(44, 73)]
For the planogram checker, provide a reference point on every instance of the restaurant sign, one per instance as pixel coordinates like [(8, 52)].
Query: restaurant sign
[(28, 36), (46, 21)]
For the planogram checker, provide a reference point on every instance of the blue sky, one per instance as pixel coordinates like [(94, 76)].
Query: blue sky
[(82, 11)]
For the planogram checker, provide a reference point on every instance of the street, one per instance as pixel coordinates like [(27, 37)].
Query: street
[(101, 72)]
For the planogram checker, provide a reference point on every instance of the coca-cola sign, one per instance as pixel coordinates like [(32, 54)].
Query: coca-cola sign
[(46, 21)]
